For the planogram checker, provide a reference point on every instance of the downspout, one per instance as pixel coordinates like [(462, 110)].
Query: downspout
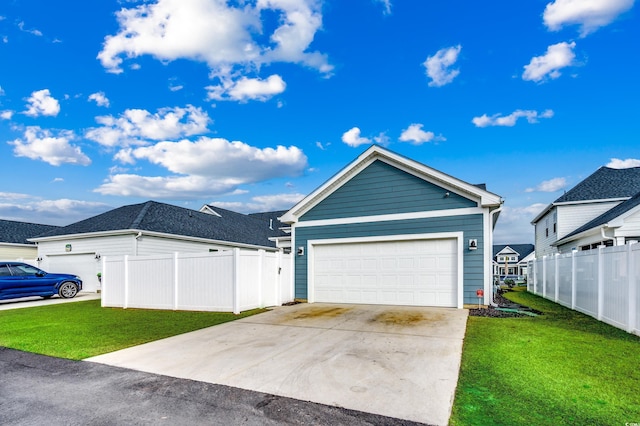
[(493, 222), (606, 237), (135, 244)]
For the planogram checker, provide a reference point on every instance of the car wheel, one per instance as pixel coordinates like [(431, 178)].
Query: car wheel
[(68, 290)]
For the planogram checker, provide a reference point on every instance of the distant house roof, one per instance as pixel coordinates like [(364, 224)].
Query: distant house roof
[(523, 250), (272, 219), (13, 232), (163, 218), (604, 184), (604, 218)]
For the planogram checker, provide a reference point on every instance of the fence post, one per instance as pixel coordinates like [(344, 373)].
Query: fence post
[(600, 283), (555, 275), (633, 291), (102, 281), (175, 281), (236, 281), (279, 278), (544, 276), (126, 281), (573, 279), (260, 279)]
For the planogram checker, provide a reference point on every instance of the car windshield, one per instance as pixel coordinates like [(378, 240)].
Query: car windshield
[(22, 270)]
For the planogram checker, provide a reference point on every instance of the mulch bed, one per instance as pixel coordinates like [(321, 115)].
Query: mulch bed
[(502, 303)]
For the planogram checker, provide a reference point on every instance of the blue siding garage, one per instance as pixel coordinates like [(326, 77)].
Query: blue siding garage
[(389, 230)]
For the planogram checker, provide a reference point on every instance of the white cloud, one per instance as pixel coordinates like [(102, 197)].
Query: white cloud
[(43, 145), (137, 126), (33, 31), (589, 14), (558, 56), (100, 99), (42, 103), (245, 89), (262, 203), (6, 114), (387, 6), (203, 168), (322, 146), (352, 138), (231, 39), (1, 91), (617, 163), (438, 66), (511, 119), (417, 136), (551, 185), (514, 224), (26, 208)]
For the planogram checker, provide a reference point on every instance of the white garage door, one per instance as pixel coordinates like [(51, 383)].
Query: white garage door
[(83, 265), (414, 272)]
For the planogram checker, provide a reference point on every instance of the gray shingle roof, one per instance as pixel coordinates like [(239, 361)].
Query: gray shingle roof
[(272, 218), (17, 232), (169, 219), (606, 217), (605, 183), (522, 249)]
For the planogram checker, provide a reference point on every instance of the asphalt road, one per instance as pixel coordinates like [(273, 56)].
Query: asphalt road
[(37, 390)]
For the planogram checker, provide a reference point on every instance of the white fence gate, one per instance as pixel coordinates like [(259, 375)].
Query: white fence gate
[(602, 283), (227, 281)]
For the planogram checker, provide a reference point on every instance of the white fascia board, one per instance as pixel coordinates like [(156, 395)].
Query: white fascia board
[(619, 221), (543, 213), (419, 170), (17, 245), (151, 234), (588, 232), (600, 200), (510, 251)]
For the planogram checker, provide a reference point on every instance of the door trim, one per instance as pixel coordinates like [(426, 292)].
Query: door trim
[(458, 236)]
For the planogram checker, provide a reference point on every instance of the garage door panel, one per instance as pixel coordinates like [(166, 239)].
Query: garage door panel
[(413, 272)]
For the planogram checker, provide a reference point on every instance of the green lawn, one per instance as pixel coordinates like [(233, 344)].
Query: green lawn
[(80, 330), (561, 368)]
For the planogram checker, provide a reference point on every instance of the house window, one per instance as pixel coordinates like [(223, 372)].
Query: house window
[(554, 228), (546, 232)]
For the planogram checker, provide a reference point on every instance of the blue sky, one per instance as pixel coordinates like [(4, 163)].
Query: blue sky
[(252, 104)]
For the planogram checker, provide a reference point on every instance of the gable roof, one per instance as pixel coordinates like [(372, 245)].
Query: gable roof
[(375, 152), (13, 232), (227, 226), (603, 219), (602, 185), (523, 250)]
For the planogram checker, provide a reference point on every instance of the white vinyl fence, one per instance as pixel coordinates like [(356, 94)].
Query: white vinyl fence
[(228, 281), (603, 283)]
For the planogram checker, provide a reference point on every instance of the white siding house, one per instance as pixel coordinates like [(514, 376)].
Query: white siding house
[(559, 227), (145, 229)]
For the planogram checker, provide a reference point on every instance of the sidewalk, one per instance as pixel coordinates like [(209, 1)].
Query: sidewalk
[(30, 302)]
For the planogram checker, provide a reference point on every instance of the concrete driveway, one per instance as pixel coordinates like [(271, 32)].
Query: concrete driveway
[(395, 361)]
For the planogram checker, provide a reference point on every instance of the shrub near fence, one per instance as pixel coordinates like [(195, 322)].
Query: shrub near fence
[(603, 283), (228, 281)]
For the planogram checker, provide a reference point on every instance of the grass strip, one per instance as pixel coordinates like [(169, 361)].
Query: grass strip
[(80, 330), (561, 368)]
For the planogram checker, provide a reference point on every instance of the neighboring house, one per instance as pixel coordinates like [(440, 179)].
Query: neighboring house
[(14, 243), (512, 259), (560, 227), (146, 229), (389, 230)]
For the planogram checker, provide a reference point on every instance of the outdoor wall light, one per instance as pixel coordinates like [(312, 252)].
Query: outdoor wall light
[(301, 251), (473, 244), (97, 256)]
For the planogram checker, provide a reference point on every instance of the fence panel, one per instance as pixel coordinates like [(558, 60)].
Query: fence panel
[(229, 281), (602, 283), (113, 267), (203, 281), (587, 282), (151, 282), (615, 307), (565, 264)]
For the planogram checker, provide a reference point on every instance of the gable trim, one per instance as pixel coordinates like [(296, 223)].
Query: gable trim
[(412, 167), (390, 217)]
